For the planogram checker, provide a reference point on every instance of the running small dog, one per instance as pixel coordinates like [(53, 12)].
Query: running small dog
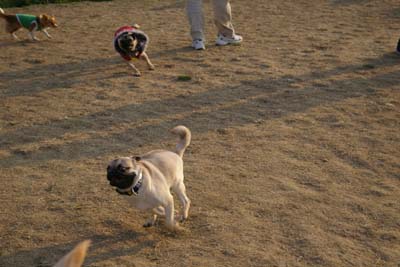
[(148, 180), (131, 43), (30, 22)]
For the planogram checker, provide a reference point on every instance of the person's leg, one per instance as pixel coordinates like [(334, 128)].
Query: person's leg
[(223, 21), (223, 17), (194, 12)]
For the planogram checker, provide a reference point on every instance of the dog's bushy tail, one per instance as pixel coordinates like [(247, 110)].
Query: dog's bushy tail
[(76, 257), (184, 139), (1, 12)]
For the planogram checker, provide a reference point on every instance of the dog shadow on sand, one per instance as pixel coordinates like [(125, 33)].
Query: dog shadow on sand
[(44, 77)]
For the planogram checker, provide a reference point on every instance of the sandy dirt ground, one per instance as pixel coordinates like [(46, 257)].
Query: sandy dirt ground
[(295, 156)]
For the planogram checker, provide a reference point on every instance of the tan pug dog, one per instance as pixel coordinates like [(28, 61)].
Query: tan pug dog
[(148, 179)]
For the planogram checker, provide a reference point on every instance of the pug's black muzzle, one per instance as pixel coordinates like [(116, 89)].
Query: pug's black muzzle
[(120, 179)]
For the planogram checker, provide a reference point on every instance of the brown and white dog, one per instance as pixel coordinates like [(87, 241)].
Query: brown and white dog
[(148, 179), (30, 22)]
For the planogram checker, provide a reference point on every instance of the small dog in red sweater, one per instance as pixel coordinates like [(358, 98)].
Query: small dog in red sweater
[(131, 43)]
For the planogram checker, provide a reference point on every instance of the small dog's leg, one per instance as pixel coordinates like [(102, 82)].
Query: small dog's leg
[(136, 71), (156, 211), (33, 37), (14, 36), (47, 34), (12, 29), (170, 215), (32, 32), (149, 64), (159, 210)]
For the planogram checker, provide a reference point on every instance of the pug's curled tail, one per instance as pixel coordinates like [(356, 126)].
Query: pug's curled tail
[(184, 139)]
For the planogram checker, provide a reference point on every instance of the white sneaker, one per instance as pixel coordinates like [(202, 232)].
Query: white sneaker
[(222, 40), (198, 44)]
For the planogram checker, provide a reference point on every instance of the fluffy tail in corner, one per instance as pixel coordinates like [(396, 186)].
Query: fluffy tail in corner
[(1, 11), (76, 257), (184, 139)]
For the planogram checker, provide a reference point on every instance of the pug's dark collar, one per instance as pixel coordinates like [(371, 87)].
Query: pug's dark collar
[(135, 189)]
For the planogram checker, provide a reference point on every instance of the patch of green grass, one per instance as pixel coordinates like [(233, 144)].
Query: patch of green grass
[(396, 12), (368, 66), (19, 3), (184, 78)]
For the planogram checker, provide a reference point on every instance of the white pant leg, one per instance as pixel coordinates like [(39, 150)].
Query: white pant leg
[(223, 17), (194, 10)]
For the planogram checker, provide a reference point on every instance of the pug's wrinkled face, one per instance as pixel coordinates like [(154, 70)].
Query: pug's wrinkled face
[(121, 172), (127, 43)]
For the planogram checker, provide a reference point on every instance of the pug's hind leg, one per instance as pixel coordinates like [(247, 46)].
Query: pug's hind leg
[(180, 190), (170, 215)]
